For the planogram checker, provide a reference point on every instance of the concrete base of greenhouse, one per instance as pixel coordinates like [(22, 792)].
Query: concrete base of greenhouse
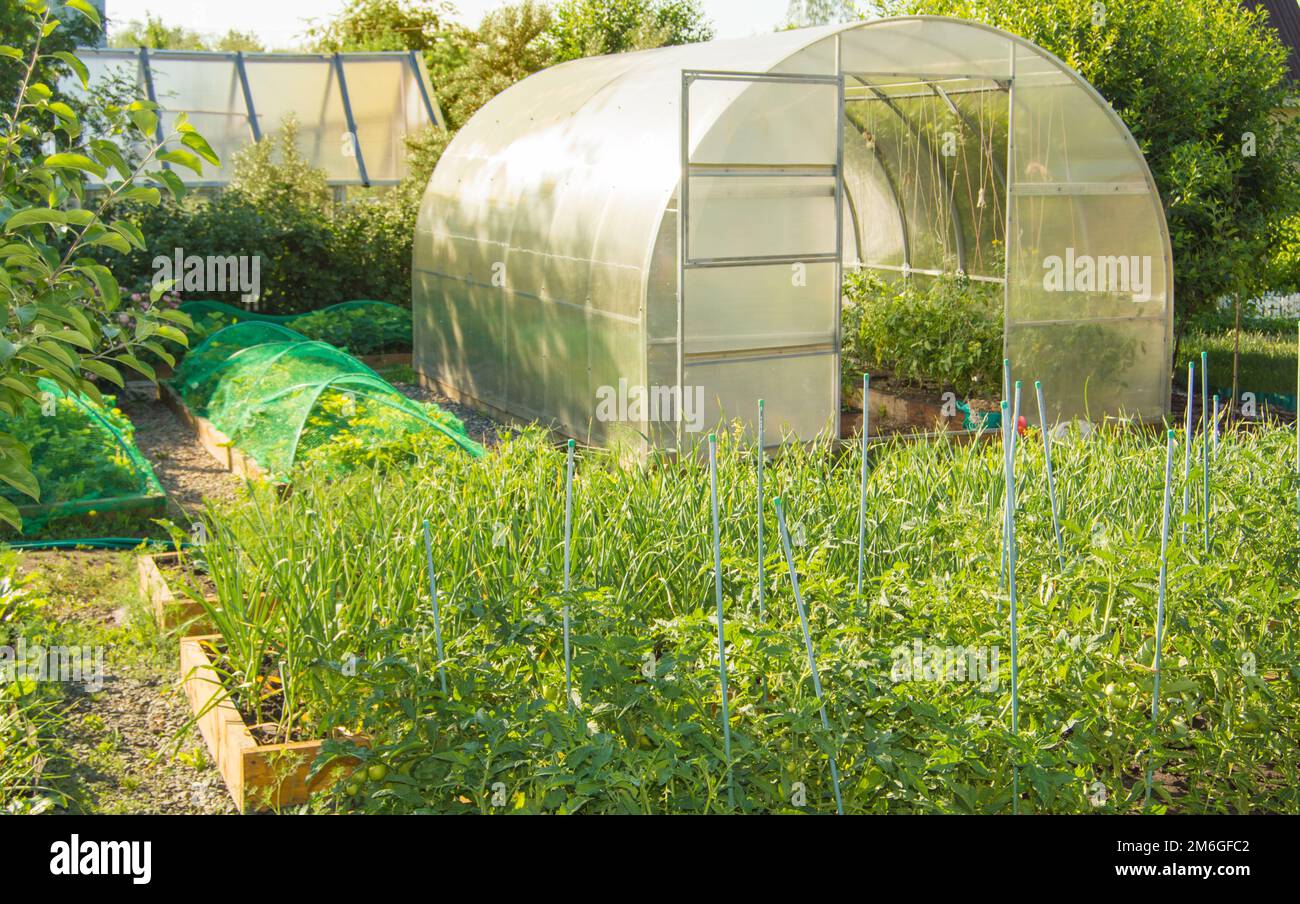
[(217, 444), (258, 776)]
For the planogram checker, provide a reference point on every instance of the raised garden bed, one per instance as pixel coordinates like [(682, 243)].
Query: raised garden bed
[(170, 609), (901, 410), (93, 479), (217, 444), (258, 776)]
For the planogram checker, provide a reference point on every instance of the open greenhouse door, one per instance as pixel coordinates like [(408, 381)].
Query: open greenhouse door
[(760, 231)]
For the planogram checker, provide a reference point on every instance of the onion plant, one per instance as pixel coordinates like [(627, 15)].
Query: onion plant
[(331, 582)]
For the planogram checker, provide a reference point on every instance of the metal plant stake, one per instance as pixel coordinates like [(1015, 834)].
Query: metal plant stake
[(1160, 604), (1051, 480), (862, 495), (568, 544), (1205, 446), (1010, 529), (1187, 451), (807, 642), (433, 596), (762, 454), (717, 592)]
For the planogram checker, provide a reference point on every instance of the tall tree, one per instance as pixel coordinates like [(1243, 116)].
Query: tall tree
[(593, 27)]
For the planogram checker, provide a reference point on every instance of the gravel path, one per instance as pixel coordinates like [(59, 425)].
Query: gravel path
[(187, 472), (479, 426), (125, 741)]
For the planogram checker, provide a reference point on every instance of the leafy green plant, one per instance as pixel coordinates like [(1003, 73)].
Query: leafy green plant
[(330, 584), (65, 317), (31, 711), (939, 333)]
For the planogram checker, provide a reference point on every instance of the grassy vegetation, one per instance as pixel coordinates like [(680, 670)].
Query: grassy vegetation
[(1267, 363), (325, 593)]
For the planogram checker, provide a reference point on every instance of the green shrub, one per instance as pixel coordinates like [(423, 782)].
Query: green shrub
[(313, 252), (938, 333)]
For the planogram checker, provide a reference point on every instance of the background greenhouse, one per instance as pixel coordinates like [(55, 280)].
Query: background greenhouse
[(681, 217)]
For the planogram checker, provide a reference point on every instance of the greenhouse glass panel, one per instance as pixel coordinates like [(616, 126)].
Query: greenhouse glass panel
[(235, 99), (678, 221)]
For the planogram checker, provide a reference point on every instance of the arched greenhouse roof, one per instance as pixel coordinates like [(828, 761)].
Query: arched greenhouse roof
[(549, 265)]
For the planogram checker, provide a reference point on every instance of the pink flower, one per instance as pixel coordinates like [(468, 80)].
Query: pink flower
[(136, 296)]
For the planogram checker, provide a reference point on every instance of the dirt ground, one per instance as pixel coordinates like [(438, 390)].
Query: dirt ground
[(126, 748)]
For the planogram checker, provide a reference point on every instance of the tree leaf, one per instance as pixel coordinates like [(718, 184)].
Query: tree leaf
[(76, 161)]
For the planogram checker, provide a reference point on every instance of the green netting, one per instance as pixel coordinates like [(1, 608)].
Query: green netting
[(84, 458), (362, 327), (288, 401)]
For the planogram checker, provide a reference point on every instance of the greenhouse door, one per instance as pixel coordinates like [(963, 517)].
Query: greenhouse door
[(759, 229)]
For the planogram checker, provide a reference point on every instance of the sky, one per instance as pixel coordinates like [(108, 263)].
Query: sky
[(280, 23)]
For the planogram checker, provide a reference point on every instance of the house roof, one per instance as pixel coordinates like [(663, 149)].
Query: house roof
[(1284, 15)]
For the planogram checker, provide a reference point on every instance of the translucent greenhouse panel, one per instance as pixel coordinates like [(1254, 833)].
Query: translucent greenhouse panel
[(386, 107), (913, 173), (308, 89), (546, 359), (797, 392), (927, 46), (209, 91), (1063, 131), (873, 223), (1088, 302), (460, 334), (1094, 369), (760, 307), (763, 123), (746, 217)]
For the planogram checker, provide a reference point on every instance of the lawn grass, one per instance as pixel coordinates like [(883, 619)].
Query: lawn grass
[(1268, 361)]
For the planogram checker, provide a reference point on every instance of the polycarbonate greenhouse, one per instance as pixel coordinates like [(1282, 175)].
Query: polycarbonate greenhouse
[(354, 110), (613, 228)]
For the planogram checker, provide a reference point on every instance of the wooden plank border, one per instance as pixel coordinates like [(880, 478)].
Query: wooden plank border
[(217, 444), (258, 776), (169, 609)]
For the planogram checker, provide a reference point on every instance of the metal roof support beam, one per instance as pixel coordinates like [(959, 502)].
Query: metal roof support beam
[(421, 79), (352, 124), (147, 72), (248, 97)]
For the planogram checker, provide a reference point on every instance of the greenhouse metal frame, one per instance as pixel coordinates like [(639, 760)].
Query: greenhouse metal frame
[(552, 267), (353, 130)]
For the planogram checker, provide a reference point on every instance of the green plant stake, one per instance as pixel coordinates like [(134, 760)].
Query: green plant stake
[(862, 496), (1006, 441), (1010, 533), (1216, 425), (568, 543), (1205, 446), (717, 592), (1160, 605), (1051, 481), (807, 642), (1187, 451), (762, 454), (433, 597)]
